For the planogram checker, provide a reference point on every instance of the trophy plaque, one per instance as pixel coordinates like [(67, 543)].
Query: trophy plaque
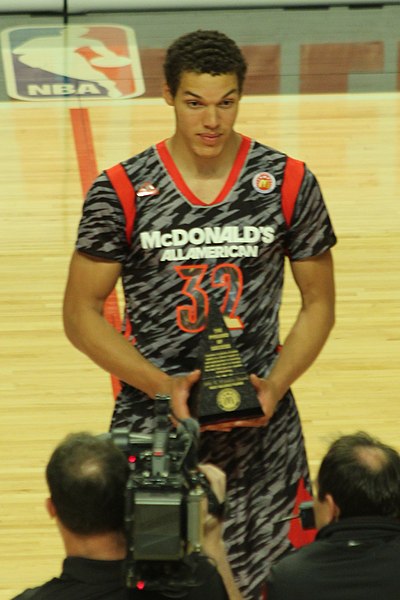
[(224, 392)]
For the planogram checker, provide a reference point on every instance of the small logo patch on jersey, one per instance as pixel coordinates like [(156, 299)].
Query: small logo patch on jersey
[(264, 182), (147, 189)]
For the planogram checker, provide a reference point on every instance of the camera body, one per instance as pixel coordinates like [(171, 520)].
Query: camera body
[(165, 503)]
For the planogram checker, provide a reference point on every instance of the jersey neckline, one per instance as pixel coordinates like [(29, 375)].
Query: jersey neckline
[(185, 190)]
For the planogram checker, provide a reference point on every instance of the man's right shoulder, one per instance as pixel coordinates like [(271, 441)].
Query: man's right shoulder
[(29, 594), (138, 160), (54, 588)]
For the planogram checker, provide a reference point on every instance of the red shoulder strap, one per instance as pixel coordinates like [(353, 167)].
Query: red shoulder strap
[(126, 195), (292, 180)]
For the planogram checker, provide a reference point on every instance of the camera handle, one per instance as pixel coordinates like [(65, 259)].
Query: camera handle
[(306, 515)]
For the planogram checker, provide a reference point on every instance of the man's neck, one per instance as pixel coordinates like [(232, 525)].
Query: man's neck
[(104, 546), (198, 167)]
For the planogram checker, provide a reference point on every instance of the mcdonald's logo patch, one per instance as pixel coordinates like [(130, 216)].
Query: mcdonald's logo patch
[(264, 182)]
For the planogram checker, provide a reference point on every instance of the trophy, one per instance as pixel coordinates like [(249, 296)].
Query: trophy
[(224, 392)]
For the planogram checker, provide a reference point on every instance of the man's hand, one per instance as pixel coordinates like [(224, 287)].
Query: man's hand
[(217, 479), (179, 391), (267, 396), (212, 531)]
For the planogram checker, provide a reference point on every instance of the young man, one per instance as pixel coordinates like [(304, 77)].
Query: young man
[(87, 478), (356, 554), (212, 218)]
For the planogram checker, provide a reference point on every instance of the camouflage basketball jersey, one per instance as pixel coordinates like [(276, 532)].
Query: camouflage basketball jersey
[(178, 254)]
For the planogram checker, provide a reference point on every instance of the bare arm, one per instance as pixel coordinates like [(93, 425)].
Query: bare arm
[(90, 281), (305, 340), (314, 278)]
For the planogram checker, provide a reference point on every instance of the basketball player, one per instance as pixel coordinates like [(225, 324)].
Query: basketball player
[(212, 217)]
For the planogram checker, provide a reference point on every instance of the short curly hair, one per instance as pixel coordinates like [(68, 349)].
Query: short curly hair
[(203, 52)]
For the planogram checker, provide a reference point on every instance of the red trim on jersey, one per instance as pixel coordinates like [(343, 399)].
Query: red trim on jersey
[(192, 284), (182, 186), (292, 180), (297, 535), (126, 195)]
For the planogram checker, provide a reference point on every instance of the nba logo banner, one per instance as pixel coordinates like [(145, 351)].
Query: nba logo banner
[(91, 62)]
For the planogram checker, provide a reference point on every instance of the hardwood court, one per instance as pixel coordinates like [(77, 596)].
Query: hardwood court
[(351, 142)]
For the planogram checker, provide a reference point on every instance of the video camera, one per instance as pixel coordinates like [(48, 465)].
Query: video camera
[(165, 498)]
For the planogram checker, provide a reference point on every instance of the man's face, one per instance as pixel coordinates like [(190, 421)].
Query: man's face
[(206, 107)]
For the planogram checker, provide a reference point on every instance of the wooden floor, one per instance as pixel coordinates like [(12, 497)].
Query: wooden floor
[(351, 142)]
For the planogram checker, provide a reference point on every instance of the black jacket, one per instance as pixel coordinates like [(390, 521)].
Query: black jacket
[(85, 579), (352, 559)]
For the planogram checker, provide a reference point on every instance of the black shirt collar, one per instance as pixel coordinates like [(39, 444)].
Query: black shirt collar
[(87, 570), (361, 527)]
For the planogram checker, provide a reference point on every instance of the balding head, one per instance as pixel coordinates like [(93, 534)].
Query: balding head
[(362, 475)]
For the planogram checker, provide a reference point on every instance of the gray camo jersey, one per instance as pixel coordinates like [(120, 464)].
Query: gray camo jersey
[(184, 254)]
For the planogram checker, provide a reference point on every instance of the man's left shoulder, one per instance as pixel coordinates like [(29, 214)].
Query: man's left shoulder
[(259, 148)]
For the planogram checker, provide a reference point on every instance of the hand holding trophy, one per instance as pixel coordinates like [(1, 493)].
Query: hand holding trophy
[(224, 397)]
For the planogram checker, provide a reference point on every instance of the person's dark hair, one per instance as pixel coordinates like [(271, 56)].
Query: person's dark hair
[(87, 476), (203, 52), (362, 475)]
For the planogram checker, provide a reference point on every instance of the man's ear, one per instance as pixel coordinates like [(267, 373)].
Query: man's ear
[(168, 97), (332, 508), (325, 511), (50, 508)]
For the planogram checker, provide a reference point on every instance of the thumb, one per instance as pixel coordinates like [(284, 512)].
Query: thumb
[(194, 376), (256, 381)]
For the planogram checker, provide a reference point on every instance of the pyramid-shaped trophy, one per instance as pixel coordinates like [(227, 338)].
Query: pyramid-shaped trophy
[(224, 392)]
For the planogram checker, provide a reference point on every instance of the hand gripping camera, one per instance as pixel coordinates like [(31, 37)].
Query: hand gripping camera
[(165, 503)]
